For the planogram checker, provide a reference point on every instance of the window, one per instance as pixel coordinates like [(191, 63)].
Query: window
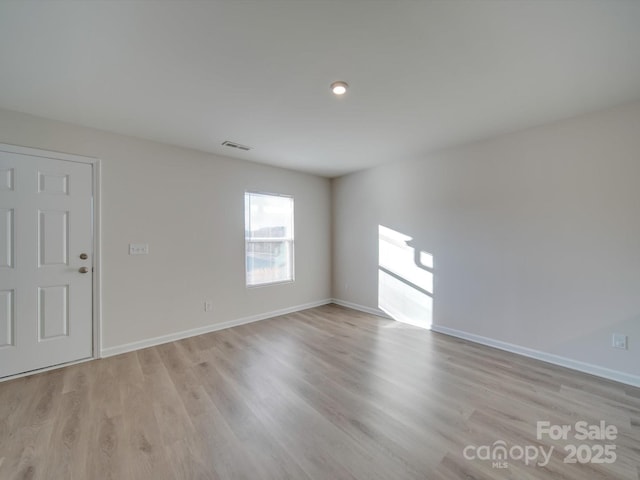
[(268, 221)]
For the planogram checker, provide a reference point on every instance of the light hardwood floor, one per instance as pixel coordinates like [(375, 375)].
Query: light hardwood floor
[(328, 393)]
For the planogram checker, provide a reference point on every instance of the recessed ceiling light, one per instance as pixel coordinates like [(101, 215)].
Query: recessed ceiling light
[(339, 88)]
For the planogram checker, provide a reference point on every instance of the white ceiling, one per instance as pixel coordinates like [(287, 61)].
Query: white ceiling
[(423, 74)]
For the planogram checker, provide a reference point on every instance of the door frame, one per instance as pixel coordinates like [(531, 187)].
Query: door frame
[(96, 347)]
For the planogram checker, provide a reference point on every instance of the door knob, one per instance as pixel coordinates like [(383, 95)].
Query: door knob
[(83, 269), (84, 256)]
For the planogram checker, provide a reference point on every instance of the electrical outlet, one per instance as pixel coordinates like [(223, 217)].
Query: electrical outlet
[(138, 249), (208, 306), (619, 341)]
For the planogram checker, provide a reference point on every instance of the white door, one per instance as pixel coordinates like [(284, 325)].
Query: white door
[(46, 279)]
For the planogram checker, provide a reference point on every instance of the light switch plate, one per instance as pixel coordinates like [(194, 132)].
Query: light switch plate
[(138, 249), (619, 341)]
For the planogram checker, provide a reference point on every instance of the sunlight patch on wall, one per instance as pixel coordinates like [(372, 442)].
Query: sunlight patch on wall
[(405, 279)]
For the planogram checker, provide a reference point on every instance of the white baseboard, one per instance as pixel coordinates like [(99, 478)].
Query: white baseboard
[(150, 342), (622, 377), (362, 308)]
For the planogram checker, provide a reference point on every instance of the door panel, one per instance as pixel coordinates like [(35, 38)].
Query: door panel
[(53, 241), (7, 319), (55, 183), (6, 238), (45, 225), (6, 178), (53, 312)]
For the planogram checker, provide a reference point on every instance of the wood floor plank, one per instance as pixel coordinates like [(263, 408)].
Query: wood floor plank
[(144, 452), (326, 393), (248, 427)]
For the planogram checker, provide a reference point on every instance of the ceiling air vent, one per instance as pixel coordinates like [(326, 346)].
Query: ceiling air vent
[(227, 143)]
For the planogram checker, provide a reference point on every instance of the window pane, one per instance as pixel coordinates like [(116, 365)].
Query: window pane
[(269, 238), (268, 262), (268, 216)]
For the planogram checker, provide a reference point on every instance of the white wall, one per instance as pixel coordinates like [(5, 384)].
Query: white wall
[(535, 235), (189, 207)]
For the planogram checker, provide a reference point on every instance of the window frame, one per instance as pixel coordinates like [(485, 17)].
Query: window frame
[(289, 240)]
